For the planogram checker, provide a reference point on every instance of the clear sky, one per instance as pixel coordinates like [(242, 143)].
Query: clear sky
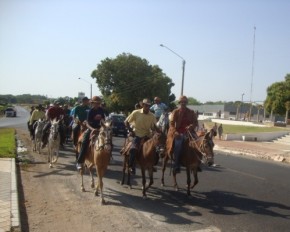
[(46, 45)]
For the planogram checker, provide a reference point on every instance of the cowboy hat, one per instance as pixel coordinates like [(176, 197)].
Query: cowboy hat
[(96, 99), (146, 101)]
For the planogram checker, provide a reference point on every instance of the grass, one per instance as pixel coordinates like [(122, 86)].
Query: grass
[(237, 129), (7, 143)]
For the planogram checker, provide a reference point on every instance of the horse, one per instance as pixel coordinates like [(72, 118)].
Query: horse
[(192, 155), (98, 154), (163, 122), (76, 134), (53, 142), (38, 125), (146, 158)]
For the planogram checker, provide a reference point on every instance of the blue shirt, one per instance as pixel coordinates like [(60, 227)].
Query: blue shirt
[(158, 109)]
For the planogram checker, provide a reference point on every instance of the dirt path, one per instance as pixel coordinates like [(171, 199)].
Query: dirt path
[(51, 200)]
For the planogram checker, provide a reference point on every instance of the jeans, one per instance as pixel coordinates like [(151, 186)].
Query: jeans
[(178, 142)]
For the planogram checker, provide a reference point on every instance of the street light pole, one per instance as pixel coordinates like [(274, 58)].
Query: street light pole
[(183, 66), (242, 102), (91, 86)]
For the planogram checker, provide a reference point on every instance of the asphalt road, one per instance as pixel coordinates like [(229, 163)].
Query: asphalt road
[(238, 194)]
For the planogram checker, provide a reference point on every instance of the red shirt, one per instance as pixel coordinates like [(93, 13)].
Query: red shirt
[(55, 112)]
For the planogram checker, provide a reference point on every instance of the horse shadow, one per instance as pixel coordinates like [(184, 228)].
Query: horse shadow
[(176, 207)]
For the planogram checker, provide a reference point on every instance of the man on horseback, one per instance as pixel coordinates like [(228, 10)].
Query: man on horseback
[(54, 112), (80, 113), (95, 115), (181, 120), (143, 122), (37, 114), (158, 108)]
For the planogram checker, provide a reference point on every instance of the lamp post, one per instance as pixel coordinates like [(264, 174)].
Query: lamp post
[(183, 66), (242, 102), (91, 86)]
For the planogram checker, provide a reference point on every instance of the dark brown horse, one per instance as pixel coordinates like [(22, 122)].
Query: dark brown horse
[(146, 157), (77, 137), (191, 158)]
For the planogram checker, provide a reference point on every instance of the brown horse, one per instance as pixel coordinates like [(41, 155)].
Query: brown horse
[(191, 157), (98, 155), (76, 137), (205, 145), (146, 158)]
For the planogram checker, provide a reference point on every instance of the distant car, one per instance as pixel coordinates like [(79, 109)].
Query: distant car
[(10, 112), (118, 124)]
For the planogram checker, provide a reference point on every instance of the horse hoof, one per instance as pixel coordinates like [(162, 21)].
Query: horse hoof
[(50, 166), (102, 202), (83, 189), (144, 197)]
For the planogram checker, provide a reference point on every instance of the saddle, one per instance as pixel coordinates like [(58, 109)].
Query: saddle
[(127, 145)]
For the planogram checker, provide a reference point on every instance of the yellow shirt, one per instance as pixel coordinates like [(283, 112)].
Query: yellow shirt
[(143, 123), (37, 114)]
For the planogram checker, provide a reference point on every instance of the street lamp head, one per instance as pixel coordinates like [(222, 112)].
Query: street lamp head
[(161, 45)]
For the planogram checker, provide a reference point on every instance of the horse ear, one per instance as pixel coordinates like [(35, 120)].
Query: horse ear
[(102, 122)]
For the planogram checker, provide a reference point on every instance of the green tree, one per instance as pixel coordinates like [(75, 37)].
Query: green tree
[(127, 79), (193, 101), (287, 106), (277, 95)]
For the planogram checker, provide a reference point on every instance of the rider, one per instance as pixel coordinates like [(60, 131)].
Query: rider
[(37, 114), (54, 112), (80, 112), (158, 108), (181, 120), (143, 121), (95, 115)]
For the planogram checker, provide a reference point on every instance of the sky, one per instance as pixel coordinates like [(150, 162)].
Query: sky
[(46, 46)]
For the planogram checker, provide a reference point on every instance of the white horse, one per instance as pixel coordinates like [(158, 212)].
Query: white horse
[(38, 125), (53, 142)]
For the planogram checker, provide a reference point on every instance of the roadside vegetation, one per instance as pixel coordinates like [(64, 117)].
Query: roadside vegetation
[(7, 143), (237, 129)]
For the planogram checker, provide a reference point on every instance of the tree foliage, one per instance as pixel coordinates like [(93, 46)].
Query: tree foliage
[(127, 79), (277, 95)]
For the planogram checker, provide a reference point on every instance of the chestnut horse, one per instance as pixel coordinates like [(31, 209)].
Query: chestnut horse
[(192, 155), (146, 157), (98, 154)]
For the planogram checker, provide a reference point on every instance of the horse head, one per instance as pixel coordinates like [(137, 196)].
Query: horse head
[(160, 141), (54, 129), (105, 135), (206, 147)]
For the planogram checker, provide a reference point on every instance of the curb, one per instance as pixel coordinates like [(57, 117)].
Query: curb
[(15, 216), (277, 158)]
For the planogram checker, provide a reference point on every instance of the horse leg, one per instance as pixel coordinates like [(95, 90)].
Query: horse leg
[(165, 160), (174, 181), (143, 183), (150, 172), (124, 170), (195, 178), (82, 179), (92, 177), (100, 185), (188, 180)]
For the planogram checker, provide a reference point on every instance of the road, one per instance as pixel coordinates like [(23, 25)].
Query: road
[(238, 194)]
